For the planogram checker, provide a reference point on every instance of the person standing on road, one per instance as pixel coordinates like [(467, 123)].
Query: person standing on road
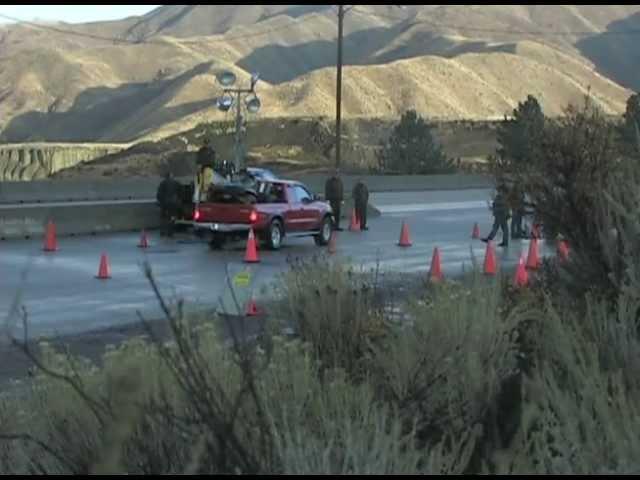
[(361, 201), (168, 197), (501, 217), (334, 194), (517, 204)]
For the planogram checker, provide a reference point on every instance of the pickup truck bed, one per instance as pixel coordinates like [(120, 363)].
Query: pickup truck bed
[(275, 210)]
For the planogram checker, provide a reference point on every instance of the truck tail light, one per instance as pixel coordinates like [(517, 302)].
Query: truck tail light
[(196, 215), (253, 216)]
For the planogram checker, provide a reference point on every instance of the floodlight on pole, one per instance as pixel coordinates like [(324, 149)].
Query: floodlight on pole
[(226, 78), (233, 97), (253, 103), (225, 103)]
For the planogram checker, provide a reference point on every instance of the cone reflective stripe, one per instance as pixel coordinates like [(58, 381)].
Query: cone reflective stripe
[(251, 254), (332, 243), (436, 268), (522, 277), (144, 241), (50, 240), (533, 260), (476, 232), (563, 250), (104, 271), (355, 222), (490, 267), (405, 241)]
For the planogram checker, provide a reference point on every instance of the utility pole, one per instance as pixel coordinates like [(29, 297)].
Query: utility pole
[(238, 157), (341, 12)]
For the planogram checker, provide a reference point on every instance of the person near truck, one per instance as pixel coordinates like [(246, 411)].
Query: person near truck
[(501, 217), (206, 154), (361, 201), (203, 181), (168, 198), (334, 194)]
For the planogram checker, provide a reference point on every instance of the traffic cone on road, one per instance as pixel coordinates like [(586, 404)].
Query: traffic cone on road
[(144, 241), (50, 240), (405, 241), (332, 243), (355, 222), (533, 260), (563, 250), (251, 254), (252, 309), (104, 272), (522, 277), (436, 268), (476, 232), (490, 264)]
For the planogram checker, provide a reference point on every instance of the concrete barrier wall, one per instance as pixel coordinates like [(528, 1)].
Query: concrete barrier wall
[(28, 222), (402, 183), (145, 188)]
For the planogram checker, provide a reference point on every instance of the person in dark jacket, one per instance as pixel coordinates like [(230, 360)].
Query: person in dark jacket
[(517, 204), (206, 155), (361, 201), (501, 217), (334, 194), (168, 198)]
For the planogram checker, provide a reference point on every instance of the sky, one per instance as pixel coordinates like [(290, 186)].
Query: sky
[(72, 13)]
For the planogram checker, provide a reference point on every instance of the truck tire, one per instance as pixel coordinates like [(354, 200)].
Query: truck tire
[(275, 234), (326, 228)]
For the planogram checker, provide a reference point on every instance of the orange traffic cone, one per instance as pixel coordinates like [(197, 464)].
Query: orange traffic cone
[(522, 277), (436, 267), (251, 255), (50, 240), (144, 241), (563, 250), (332, 243), (104, 272), (533, 260), (476, 232), (355, 222), (490, 267), (252, 309), (405, 241)]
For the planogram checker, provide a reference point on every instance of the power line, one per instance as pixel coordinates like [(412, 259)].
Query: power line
[(63, 31), (441, 26), (122, 40)]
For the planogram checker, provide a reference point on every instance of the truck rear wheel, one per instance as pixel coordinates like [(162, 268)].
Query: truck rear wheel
[(275, 233)]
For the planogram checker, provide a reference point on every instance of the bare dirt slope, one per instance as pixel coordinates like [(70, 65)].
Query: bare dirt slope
[(455, 61)]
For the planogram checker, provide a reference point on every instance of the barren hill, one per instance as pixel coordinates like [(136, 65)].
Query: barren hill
[(450, 62)]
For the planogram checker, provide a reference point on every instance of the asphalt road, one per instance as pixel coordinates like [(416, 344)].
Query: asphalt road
[(62, 296)]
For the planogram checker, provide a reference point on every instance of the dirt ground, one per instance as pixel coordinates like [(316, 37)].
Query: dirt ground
[(286, 146)]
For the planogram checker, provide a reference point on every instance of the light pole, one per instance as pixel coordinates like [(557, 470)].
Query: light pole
[(233, 97)]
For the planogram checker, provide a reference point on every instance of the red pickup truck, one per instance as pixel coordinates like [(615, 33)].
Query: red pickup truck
[(274, 209)]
